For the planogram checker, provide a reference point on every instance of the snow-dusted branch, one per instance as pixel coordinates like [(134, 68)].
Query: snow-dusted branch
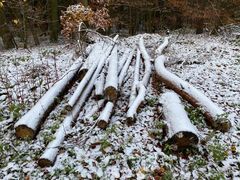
[(181, 132), (215, 116), (29, 124)]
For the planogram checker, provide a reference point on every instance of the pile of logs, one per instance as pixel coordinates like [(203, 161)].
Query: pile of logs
[(104, 71)]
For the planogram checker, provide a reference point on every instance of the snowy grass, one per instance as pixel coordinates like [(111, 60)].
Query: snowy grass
[(209, 63)]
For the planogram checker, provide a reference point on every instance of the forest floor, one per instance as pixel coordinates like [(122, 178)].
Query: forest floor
[(210, 63)]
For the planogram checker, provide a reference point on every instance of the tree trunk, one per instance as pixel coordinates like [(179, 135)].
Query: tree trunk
[(54, 20), (5, 33)]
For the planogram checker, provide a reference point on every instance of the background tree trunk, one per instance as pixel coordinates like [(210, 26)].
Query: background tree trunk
[(54, 20), (5, 32)]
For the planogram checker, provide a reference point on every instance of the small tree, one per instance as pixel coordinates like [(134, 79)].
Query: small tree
[(92, 17)]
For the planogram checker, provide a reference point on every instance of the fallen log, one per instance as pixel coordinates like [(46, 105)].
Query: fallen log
[(99, 86), (214, 115), (135, 79), (123, 59), (147, 63), (111, 86), (103, 119), (162, 46), (28, 126), (49, 156), (72, 101), (181, 132), (91, 59), (132, 111), (125, 68)]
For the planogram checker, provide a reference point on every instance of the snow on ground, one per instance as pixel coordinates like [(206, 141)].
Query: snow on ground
[(212, 64)]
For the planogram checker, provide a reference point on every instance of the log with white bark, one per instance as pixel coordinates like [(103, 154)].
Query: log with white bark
[(103, 56), (135, 103), (147, 63), (28, 126), (160, 49), (132, 111), (99, 85), (93, 110), (181, 132), (49, 156), (125, 68), (214, 115), (91, 59), (111, 86), (123, 59), (103, 119), (135, 79)]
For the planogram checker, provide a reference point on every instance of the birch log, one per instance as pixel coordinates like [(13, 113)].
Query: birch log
[(181, 131), (123, 59), (125, 68), (49, 156), (28, 126), (214, 115), (135, 79), (162, 46), (91, 59), (132, 111), (104, 117), (89, 74), (99, 85), (111, 86)]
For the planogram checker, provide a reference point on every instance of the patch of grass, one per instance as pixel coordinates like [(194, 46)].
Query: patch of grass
[(195, 115), (104, 143), (216, 175), (197, 163), (151, 102), (218, 152), (131, 162), (15, 110), (168, 175)]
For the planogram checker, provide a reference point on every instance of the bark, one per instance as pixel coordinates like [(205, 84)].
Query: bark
[(214, 115), (123, 59), (181, 132), (105, 115), (28, 126), (111, 86)]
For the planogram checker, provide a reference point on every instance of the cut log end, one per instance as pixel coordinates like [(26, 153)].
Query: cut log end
[(102, 124), (130, 121), (184, 139), (82, 73), (24, 132), (111, 94), (42, 162)]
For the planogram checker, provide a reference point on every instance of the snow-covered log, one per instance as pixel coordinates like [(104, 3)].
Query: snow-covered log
[(135, 79), (214, 115), (91, 59), (123, 59), (93, 110), (147, 63), (111, 86), (30, 123), (132, 111), (125, 68), (181, 131), (162, 46), (103, 119), (89, 74), (99, 85), (50, 154)]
